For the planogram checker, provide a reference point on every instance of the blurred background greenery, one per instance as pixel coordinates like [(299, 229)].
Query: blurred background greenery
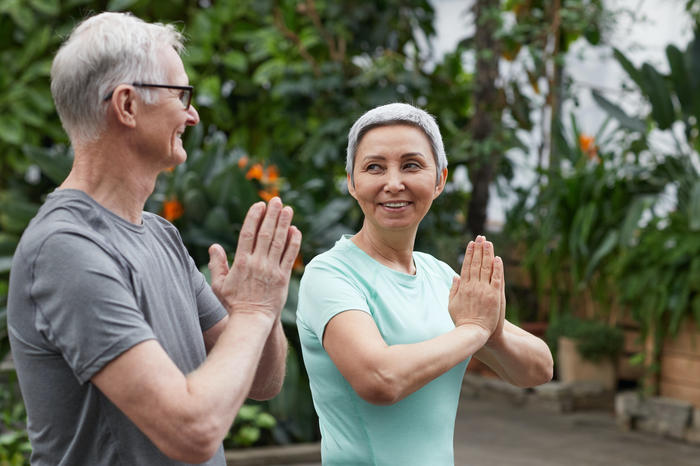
[(607, 230)]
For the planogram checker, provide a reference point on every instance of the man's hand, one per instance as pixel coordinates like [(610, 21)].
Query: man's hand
[(475, 297), (259, 278)]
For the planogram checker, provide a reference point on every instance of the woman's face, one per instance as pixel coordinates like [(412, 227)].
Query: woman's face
[(395, 175)]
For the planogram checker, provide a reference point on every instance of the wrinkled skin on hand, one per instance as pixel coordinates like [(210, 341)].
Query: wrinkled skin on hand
[(477, 295), (258, 279)]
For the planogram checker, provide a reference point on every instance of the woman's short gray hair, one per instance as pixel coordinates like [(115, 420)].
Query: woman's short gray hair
[(102, 52), (396, 114)]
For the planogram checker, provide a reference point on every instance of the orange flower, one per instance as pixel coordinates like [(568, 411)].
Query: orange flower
[(586, 142), (243, 162), (170, 169), (255, 172), (298, 263), (268, 194), (272, 174), (172, 210), (588, 147)]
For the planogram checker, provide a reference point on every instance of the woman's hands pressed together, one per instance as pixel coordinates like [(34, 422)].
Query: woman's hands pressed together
[(477, 296)]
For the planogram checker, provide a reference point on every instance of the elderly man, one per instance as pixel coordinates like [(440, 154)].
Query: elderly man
[(125, 355)]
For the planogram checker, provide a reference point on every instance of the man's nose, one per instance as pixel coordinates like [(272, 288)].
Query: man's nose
[(193, 116)]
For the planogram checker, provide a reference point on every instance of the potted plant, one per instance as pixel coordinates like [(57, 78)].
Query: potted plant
[(585, 350)]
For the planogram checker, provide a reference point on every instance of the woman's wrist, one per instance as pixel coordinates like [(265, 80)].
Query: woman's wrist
[(475, 332)]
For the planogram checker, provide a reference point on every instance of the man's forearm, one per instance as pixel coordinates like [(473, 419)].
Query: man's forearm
[(226, 376), (269, 376)]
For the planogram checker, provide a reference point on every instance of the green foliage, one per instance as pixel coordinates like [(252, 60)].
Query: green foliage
[(580, 218), (14, 441), (595, 340), (658, 278), (249, 426)]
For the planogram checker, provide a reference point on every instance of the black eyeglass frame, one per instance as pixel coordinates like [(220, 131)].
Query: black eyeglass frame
[(189, 89)]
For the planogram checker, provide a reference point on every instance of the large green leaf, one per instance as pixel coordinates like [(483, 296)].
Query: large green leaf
[(631, 123), (694, 208), (631, 223), (679, 78), (55, 165), (629, 68), (658, 94)]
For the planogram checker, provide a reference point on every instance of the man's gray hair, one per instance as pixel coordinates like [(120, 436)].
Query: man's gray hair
[(396, 114), (102, 52)]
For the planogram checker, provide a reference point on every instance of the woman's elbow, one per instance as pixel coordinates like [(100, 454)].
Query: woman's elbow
[(378, 389), (540, 372)]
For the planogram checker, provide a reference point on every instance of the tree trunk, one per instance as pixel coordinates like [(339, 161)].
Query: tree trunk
[(485, 122)]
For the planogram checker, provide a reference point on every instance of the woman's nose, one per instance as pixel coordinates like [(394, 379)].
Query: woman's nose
[(394, 181)]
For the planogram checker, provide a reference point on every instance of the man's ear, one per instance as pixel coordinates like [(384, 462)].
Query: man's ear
[(351, 186), (440, 186), (125, 104)]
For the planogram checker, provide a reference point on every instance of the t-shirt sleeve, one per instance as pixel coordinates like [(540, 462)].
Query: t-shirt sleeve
[(85, 303), (324, 292)]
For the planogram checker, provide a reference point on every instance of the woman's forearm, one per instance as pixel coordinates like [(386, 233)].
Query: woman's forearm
[(518, 357), (396, 371)]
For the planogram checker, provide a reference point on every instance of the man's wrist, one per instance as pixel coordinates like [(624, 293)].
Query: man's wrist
[(253, 316)]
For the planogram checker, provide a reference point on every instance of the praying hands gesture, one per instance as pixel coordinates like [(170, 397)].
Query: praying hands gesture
[(477, 296), (259, 277)]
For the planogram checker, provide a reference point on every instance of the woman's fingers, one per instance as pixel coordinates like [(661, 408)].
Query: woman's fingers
[(467, 262), (474, 270), (486, 262), (497, 276), (455, 287)]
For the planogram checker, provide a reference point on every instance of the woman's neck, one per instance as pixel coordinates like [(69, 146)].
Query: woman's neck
[(394, 250)]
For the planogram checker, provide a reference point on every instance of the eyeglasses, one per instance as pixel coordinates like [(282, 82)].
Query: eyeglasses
[(185, 95)]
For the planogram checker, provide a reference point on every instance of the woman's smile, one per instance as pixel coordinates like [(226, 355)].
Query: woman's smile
[(394, 181)]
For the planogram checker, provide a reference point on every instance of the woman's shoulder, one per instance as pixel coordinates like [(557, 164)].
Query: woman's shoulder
[(342, 254), (344, 262), (433, 264)]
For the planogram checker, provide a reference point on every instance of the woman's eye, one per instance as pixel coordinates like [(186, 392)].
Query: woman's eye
[(373, 167), (412, 165)]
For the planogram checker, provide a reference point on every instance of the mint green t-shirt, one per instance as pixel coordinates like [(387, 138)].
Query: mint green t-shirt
[(417, 430)]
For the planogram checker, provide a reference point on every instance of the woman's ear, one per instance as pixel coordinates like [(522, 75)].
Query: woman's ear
[(351, 186), (440, 186)]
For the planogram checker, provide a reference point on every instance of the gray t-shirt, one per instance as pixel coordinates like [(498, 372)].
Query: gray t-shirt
[(85, 286)]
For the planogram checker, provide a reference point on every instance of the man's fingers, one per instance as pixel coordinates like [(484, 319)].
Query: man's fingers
[(249, 230), (486, 262), (291, 251), (266, 233), (280, 237), (218, 264), (466, 264)]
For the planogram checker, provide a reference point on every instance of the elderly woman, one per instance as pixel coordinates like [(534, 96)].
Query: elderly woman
[(387, 332)]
